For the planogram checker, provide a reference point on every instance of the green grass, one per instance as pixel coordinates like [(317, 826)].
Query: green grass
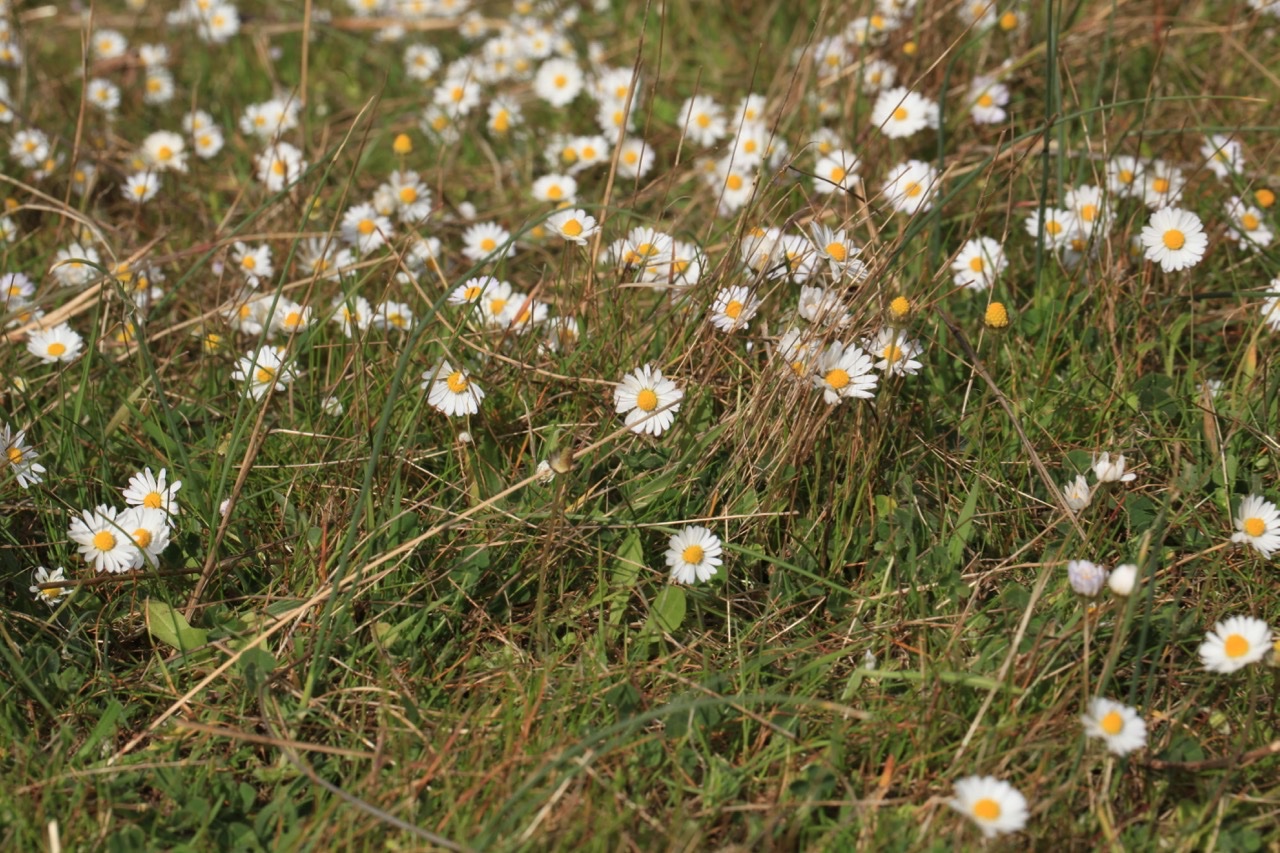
[(399, 638)]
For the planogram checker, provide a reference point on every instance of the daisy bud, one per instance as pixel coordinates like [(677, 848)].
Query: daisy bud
[(402, 144), (1111, 471), (1123, 579), (1077, 493), (997, 316)]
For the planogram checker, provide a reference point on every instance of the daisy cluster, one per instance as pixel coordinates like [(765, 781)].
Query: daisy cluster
[(795, 262)]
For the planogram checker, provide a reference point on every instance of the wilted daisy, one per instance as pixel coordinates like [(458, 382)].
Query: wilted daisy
[(1086, 578), (900, 112), (574, 225), (1109, 470), (1077, 493), (1120, 727), (60, 343), (1258, 524), (896, 351), (101, 541), (263, 370), (152, 491), (21, 457), (978, 264), (51, 596), (452, 391), (733, 308), (994, 805), (648, 400), (693, 555), (1174, 238), (843, 372), (1234, 644)]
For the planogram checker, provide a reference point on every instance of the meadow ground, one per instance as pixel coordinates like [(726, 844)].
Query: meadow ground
[(636, 426)]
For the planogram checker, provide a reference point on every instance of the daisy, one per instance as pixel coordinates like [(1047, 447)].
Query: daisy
[(635, 158), (393, 315), (141, 187), (1258, 524), (733, 308), (365, 229), (648, 400), (16, 289), (844, 372), (421, 61), (496, 304), (1086, 578), (560, 334), (1234, 644), (73, 266), (264, 370), (158, 86), (573, 225), (253, 262), (149, 530), (353, 314), (470, 291), (103, 94), (525, 312), (209, 141), (897, 353), (20, 456), (165, 151), (1162, 184), (1174, 238), (1089, 207), (60, 343), (1109, 470), (911, 187), (279, 165), (1120, 726), (693, 555), (53, 595), (978, 264), (30, 147), (1125, 177), (101, 541), (994, 805), (452, 391), (987, 99), (799, 350), (821, 306), (151, 491), (558, 81), (109, 44), (1246, 225), (836, 170), (900, 113), (878, 75), (839, 251), (1057, 226), (1223, 155), (484, 239), (702, 120), (1077, 493)]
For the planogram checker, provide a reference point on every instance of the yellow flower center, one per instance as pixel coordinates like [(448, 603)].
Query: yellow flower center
[(986, 809), (561, 81), (402, 144), (1264, 197), (501, 122), (692, 554), (900, 114), (572, 228), (1008, 21), (554, 192), (472, 292), (837, 175), (631, 157), (1160, 185), (457, 382), (837, 251), (164, 152), (569, 154), (1250, 222), (15, 455), (734, 182), (985, 100), (1254, 526), (975, 263), (750, 146), (488, 244), (703, 120), (1088, 212), (293, 319), (153, 500), (997, 317), (408, 195), (57, 348), (103, 540), (837, 378), (891, 353), (1125, 176), (497, 306), (912, 189), (1053, 227), (900, 307), (365, 227), (1235, 646), (456, 93), (1112, 723), (733, 310), (142, 536), (264, 375), (249, 262), (588, 152), (1174, 239), (278, 168), (647, 400)]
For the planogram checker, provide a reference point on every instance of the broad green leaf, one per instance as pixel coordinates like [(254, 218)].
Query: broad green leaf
[(668, 609), (170, 627)]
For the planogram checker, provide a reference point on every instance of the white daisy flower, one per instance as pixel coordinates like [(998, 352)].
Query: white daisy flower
[(733, 308), (1126, 177), (900, 112), (365, 229), (836, 170), (693, 555), (1085, 577), (484, 239), (978, 264), (1077, 493), (573, 225), (52, 596), (897, 352), (263, 370), (911, 187), (1174, 238), (1234, 644), (994, 805), (648, 400), (151, 491), (149, 530), (60, 343), (1057, 225), (101, 541), (1258, 524), (1223, 155), (702, 120), (452, 391), (839, 251), (843, 372), (164, 151), (20, 457), (1109, 470), (1120, 727)]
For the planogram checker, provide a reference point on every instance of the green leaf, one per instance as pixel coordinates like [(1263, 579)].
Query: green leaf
[(170, 627), (668, 609)]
